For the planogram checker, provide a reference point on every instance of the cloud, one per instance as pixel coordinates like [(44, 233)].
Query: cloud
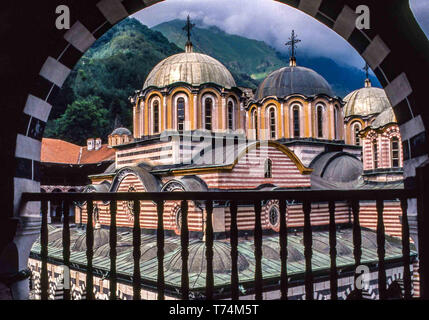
[(266, 20), (420, 9)]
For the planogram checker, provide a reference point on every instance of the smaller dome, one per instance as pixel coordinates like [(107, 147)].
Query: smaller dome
[(272, 251), (197, 262), (384, 118), (101, 237), (368, 239), (149, 251), (104, 250), (337, 167), (293, 80), (55, 237), (321, 244), (121, 131), (366, 101)]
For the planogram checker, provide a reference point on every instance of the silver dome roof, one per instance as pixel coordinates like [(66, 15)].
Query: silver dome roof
[(293, 80), (366, 101), (189, 67)]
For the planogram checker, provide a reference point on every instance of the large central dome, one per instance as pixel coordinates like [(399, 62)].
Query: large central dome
[(293, 80), (189, 67)]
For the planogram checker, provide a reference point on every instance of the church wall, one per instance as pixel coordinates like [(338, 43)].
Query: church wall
[(248, 173), (349, 124), (124, 291), (148, 210), (265, 119), (307, 154), (101, 286), (383, 139), (157, 154), (284, 118), (294, 216), (216, 109), (391, 216), (194, 113)]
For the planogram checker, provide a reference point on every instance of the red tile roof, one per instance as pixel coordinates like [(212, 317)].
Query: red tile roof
[(95, 156), (59, 151)]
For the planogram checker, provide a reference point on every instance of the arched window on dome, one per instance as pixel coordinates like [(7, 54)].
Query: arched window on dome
[(180, 113), (255, 123), (356, 136), (268, 168), (230, 115), (319, 116), (155, 108), (394, 147), (272, 125), (296, 124), (336, 113), (208, 108), (375, 154)]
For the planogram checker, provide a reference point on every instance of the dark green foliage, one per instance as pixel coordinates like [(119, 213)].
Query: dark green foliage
[(90, 116), (113, 68)]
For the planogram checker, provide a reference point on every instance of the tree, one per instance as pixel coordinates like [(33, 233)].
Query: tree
[(84, 118)]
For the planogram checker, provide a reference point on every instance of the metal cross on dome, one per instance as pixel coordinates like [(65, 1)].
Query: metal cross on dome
[(366, 68), (292, 43), (188, 27)]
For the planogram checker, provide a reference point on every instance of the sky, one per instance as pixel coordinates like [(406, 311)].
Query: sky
[(269, 21)]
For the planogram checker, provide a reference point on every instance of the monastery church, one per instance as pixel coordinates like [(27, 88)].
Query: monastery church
[(194, 129)]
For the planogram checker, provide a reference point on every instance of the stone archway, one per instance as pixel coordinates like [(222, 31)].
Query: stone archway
[(47, 55)]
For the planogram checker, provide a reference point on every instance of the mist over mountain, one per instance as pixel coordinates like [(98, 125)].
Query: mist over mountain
[(94, 98)]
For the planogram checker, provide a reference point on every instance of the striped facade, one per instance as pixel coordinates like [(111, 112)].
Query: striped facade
[(124, 291), (248, 173), (160, 153), (383, 140)]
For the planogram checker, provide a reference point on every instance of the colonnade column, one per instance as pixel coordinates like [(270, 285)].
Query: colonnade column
[(223, 120), (195, 97), (165, 111), (330, 121), (310, 119)]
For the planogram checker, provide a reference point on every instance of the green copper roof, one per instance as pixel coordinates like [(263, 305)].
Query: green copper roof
[(270, 261)]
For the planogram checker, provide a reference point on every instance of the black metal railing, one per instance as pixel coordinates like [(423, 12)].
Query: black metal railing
[(234, 199)]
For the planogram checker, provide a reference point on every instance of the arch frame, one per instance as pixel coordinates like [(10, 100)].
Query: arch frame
[(59, 50)]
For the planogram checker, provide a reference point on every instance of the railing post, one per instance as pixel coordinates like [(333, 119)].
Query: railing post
[(160, 252), (112, 252), (209, 250), (308, 251), (258, 251), (89, 250), (235, 295), (66, 250), (283, 250), (357, 244), (422, 175), (44, 278), (333, 251), (406, 249), (184, 242), (381, 251), (136, 251)]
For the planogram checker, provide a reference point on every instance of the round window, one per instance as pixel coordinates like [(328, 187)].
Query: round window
[(274, 216)]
